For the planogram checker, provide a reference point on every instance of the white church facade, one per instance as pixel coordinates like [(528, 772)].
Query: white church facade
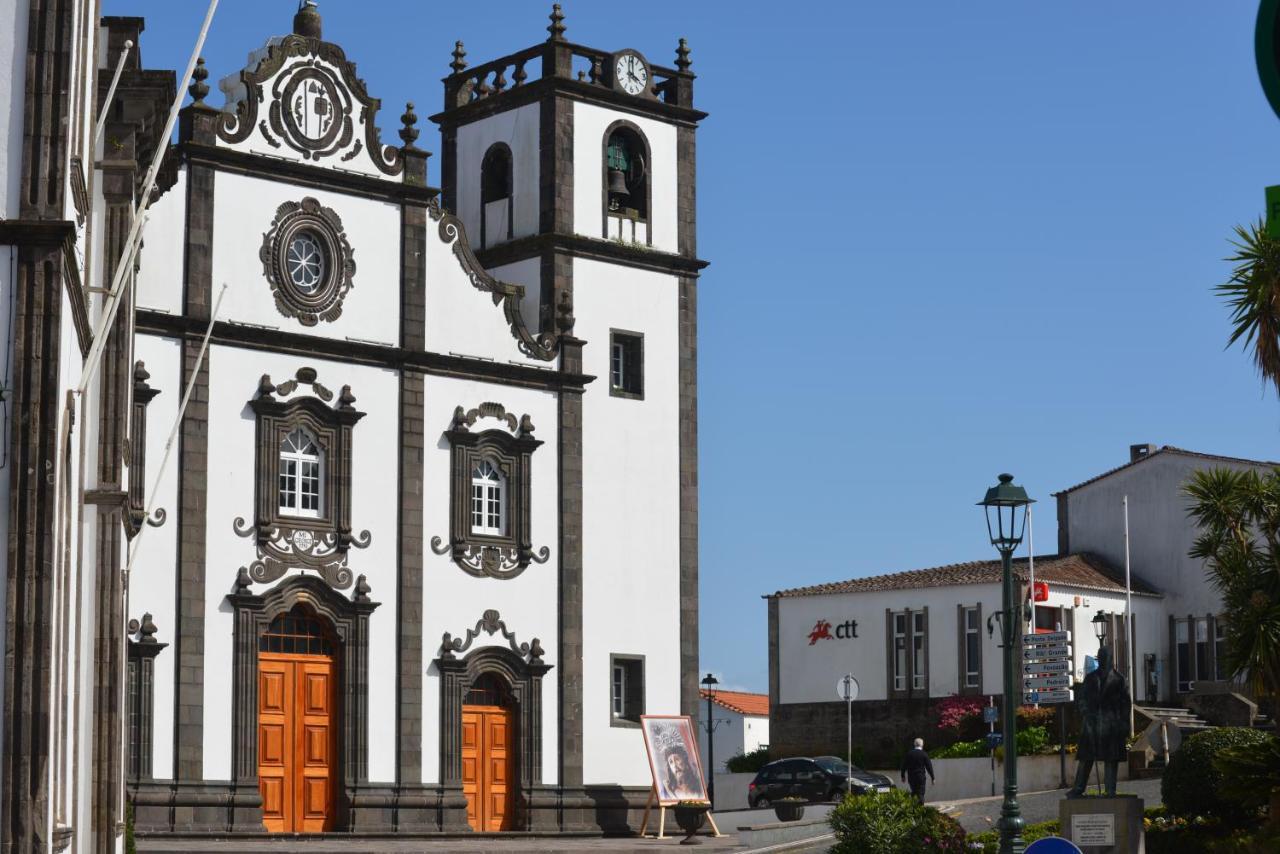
[(424, 547)]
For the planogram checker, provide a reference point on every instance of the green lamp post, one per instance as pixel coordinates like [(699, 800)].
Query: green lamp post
[(1006, 509)]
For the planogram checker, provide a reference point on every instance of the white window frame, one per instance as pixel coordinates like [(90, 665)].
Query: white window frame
[(488, 500), (619, 689), (291, 469), (919, 652), (618, 365), (972, 635), (901, 661)]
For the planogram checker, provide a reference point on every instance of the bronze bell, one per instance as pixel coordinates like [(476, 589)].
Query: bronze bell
[(617, 183)]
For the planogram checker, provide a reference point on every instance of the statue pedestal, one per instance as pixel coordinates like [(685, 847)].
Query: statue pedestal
[(1103, 825)]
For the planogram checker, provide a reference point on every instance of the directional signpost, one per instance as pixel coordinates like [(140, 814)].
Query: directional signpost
[(1046, 667)]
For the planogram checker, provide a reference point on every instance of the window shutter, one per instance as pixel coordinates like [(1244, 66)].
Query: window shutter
[(634, 698)]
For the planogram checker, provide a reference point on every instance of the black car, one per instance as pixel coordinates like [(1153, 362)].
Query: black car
[(822, 779)]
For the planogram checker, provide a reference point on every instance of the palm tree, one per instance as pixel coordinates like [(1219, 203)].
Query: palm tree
[(1253, 293), (1238, 513)]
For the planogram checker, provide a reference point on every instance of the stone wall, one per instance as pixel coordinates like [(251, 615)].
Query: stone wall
[(882, 729)]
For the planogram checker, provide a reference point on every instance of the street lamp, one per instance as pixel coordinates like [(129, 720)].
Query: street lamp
[(1006, 508), (709, 683), (1100, 622)]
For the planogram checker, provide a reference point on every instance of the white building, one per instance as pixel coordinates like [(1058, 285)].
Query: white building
[(912, 638), (741, 725), (427, 545)]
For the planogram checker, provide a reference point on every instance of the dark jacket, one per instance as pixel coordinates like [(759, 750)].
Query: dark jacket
[(914, 766)]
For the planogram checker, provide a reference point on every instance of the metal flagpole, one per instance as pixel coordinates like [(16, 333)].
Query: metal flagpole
[(1128, 612), (1031, 570), (111, 93), (112, 303)]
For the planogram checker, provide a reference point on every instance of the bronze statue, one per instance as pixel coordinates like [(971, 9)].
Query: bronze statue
[(1103, 702)]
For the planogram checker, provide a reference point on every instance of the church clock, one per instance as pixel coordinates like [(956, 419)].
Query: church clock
[(631, 74)]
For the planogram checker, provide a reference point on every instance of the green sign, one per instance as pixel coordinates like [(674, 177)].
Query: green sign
[(1273, 212), (1266, 42)]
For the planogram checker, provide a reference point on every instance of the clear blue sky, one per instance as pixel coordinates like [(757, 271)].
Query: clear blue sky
[(947, 240)]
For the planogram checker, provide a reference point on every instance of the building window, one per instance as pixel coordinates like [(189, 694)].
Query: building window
[(308, 261), (300, 475), (908, 652), (1203, 669), (1221, 671), (627, 190), (496, 214), (488, 500), (490, 494), (626, 690), (972, 647), (626, 364), (1182, 646)]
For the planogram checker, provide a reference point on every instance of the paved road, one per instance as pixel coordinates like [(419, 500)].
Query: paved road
[(982, 813)]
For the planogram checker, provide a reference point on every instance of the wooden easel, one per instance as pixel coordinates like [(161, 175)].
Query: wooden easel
[(662, 816)]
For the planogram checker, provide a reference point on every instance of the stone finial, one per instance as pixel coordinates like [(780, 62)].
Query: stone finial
[(557, 27), (362, 590), (147, 631), (346, 398), (306, 22), (459, 58), (266, 388), (140, 372), (409, 133), (243, 582), (683, 62), (198, 89), (536, 651)]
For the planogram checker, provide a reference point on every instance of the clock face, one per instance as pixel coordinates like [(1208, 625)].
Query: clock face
[(631, 75)]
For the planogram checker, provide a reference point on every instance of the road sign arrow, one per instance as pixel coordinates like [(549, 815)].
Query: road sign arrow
[(1036, 668), (1045, 697), (1045, 652), (1039, 682), (1045, 638)]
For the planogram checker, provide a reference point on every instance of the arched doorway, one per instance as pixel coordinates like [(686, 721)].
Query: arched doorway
[(489, 754), (298, 722)]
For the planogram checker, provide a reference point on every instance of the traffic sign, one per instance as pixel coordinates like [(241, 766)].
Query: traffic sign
[(1042, 638), (847, 688), (1053, 845), (1036, 668), (1061, 651), (1043, 697), (1039, 682)]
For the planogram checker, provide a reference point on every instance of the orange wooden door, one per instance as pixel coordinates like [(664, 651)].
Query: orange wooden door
[(296, 742), (487, 766)]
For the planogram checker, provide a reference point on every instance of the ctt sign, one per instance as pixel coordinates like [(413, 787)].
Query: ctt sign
[(823, 630)]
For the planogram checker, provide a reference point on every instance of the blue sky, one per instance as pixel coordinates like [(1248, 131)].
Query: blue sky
[(947, 240)]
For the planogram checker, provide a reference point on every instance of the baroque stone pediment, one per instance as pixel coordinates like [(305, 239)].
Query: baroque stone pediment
[(303, 95)]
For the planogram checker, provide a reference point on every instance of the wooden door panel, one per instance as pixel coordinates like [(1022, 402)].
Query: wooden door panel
[(275, 744), (296, 742), (487, 767), (471, 787)]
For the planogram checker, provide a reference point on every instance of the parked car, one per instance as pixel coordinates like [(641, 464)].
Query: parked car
[(824, 778)]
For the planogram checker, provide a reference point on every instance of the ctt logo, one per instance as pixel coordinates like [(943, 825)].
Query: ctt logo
[(822, 631)]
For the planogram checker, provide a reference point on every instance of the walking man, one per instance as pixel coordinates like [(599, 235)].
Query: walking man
[(914, 766)]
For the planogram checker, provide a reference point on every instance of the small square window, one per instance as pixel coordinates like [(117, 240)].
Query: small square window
[(626, 364), (626, 690)]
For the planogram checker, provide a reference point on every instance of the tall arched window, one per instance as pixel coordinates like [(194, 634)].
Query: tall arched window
[(488, 500), (496, 215), (301, 473), (627, 173)]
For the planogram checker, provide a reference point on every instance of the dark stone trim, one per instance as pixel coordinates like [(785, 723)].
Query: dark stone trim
[(325, 302), (488, 555), (688, 485), (687, 193), (188, 647), (626, 722), (648, 218), (413, 262), (140, 706), (409, 594), (568, 89), (44, 234), (356, 352), (774, 658), (1064, 523), (596, 249), (143, 394), (305, 174), (571, 555), (525, 679), (350, 621)]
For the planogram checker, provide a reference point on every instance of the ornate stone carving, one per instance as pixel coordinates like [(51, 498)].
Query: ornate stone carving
[(280, 548), (492, 623), (335, 265)]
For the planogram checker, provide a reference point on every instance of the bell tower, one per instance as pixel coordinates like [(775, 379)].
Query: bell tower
[(573, 171)]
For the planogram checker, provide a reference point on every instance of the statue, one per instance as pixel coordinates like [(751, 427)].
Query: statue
[(1103, 701)]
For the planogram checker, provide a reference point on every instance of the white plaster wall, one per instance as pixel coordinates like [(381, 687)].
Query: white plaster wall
[(461, 318), (518, 128), (735, 733), (454, 601), (244, 208), (527, 273), (159, 280), (589, 124), (808, 673), (152, 584), (233, 381), (257, 143), (631, 511), (1160, 534)]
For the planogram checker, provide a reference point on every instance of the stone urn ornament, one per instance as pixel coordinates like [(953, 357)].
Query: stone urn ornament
[(691, 816), (790, 808)]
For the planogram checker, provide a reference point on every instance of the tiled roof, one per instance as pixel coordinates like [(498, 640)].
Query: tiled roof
[(1167, 449), (1084, 571), (742, 702)]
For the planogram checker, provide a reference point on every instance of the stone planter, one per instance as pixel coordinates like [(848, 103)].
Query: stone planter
[(691, 820), (789, 810)]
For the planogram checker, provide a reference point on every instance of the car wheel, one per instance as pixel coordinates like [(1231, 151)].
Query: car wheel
[(762, 803), (836, 796)]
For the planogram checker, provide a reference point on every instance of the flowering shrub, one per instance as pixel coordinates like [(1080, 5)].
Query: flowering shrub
[(954, 712), (1029, 716), (988, 841), (892, 822)]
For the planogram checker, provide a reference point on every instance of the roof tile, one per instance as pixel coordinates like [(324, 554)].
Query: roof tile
[(741, 702)]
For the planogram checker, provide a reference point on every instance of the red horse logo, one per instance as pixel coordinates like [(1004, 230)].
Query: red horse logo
[(821, 629)]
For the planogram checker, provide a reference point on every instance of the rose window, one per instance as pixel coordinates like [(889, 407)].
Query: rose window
[(305, 262)]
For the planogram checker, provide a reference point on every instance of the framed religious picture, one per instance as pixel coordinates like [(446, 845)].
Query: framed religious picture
[(673, 758)]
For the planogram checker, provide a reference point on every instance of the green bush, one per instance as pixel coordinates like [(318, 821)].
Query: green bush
[(1032, 740), (990, 839), (892, 823), (1192, 785), (748, 763), (962, 750)]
